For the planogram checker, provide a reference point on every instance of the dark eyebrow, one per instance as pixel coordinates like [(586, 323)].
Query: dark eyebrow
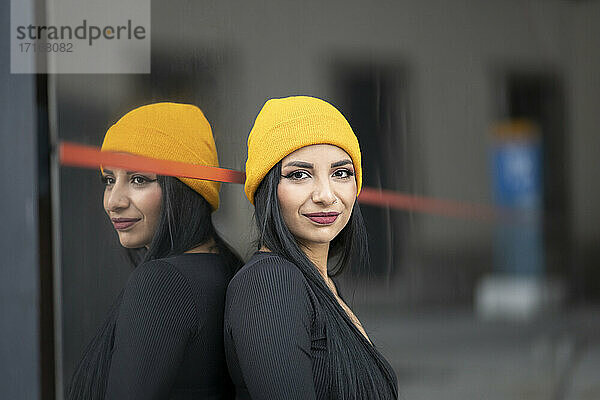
[(300, 164), (340, 163), (108, 171)]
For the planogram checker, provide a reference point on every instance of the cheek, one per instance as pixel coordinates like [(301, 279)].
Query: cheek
[(346, 192), (105, 201), (347, 195), (290, 199), (149, 203), (154, 204)]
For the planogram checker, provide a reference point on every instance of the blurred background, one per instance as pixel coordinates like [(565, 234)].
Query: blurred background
[(479, 102)]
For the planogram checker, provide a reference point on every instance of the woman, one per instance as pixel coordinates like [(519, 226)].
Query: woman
[(288, 333), (164, 336)]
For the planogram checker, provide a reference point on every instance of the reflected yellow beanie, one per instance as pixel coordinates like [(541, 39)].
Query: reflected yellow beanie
[(287, 124), (172, 132)]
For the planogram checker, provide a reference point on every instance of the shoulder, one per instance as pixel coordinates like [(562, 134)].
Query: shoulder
[(267, 275), (155, 272), (204, 269), (268, 290), (156, 298), (158, 283), (265, 268)]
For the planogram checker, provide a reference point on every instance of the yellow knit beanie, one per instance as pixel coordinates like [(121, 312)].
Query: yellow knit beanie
[(172, 132), (285, 125)]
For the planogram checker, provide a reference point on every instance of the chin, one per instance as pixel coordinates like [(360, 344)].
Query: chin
[(128, 243), (325, 235), (317, 239)]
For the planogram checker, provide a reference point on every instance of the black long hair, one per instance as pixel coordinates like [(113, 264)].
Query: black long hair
[(185, 222), (350, 355)]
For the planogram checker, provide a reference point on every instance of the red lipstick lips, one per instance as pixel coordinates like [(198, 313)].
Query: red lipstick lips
[(323, 218), (123, 223)]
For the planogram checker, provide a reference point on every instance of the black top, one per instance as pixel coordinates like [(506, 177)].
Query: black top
[(275, 336), (168, 337)]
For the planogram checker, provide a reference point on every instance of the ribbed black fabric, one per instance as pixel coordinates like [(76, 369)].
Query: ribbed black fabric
[(168, 332), (275, 334)]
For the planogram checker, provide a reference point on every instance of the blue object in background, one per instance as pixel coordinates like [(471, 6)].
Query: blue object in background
[(517, 177)]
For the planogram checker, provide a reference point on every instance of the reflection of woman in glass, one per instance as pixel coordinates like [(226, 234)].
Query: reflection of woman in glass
[(164, 336), (288, 332)]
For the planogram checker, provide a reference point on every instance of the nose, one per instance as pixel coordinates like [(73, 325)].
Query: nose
[(116, 198), (323, 192)]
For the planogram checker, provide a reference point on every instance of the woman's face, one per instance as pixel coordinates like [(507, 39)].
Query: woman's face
[(132, 201), (316, 192)]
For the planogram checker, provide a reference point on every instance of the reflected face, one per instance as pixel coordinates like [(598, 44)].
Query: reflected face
[(316, 192), (132, 201)]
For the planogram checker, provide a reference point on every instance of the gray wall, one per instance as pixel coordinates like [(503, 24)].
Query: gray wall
[(19, 267), (584, 143), (585, 140)]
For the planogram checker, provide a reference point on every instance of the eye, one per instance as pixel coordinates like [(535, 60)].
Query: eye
[(343, 173), (297, 175), (139, 180), (108, 180)]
